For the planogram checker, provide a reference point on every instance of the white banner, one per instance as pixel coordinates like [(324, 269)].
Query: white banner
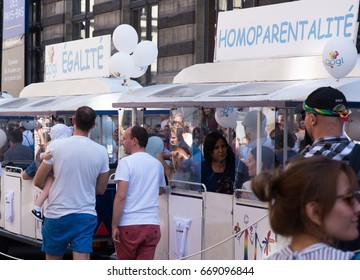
[(299, 28), (178, 270), (85, 58)]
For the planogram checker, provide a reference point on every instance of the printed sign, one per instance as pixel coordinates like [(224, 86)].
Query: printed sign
[(299, 28), (85, 58), (13, 18), (13, 70)]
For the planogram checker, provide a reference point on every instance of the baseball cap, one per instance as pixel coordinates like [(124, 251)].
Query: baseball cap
[(250, 119), (327, 101), (29, 125)]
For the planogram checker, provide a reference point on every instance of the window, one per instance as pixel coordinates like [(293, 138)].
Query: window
[(226, 5), (83, 19), (212, 9), (145, 21)]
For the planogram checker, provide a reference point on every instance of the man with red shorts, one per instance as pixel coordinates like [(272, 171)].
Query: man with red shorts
[(140, 179)]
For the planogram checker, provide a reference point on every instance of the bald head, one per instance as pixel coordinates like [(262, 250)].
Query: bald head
[(320, 126)]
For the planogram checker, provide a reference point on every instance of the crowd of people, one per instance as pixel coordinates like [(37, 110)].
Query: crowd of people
[(310, 178), (318, 131), (202, 164)]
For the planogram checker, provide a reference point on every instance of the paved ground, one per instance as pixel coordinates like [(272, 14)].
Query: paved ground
[(26, 252), (22, 251)]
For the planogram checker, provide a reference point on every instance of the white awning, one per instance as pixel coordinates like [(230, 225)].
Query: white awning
[(76, 87), (54, 98), (247, 94), (281, 82), (275, 69)]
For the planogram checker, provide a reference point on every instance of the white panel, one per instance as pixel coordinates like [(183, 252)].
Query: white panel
[(191, 208), (218, 226), (255, 240), (84, 58), (298, 28), (27, 204), (162, 249), (12, 185), (2, 202)]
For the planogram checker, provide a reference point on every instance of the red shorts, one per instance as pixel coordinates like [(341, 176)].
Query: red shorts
[(137, 242)]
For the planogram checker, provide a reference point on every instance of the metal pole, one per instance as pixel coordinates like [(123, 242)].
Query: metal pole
[(258, 142), (133, 116)]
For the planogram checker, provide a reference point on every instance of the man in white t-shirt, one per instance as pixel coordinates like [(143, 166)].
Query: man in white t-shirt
[(164, 120), (81, 171), (140, 179), (28, 136)]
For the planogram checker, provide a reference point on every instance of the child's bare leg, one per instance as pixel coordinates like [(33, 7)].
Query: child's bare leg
[(45, 192)]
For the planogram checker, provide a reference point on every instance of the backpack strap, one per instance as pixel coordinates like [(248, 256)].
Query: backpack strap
[(27, 139), (354, 161)]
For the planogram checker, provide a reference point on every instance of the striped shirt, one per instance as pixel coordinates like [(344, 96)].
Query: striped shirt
[(334, 147), (317, 251)]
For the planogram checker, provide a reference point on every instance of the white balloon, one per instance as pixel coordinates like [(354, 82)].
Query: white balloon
[(139, 71), (3, 138), (121, 65), (226, 117), (145, 53), (125, 38), (339, 57)]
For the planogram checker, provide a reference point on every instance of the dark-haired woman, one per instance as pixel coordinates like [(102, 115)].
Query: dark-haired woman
[(218, 167)]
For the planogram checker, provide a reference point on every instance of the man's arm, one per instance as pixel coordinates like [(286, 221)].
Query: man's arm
[(29, 172), (102, 182), (119, 202), (167, 170), (41, 174), (25, 176)]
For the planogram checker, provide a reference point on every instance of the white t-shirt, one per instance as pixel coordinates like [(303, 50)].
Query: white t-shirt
[(145, 176), (28, 138), (248, 195), (77, 162)]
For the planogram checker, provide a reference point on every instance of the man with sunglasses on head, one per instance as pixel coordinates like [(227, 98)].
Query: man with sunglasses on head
[(325, 111)]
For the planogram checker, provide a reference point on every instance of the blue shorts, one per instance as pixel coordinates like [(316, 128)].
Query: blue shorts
[(76, 230)]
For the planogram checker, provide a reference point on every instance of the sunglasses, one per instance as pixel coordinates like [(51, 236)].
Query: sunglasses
[(350, 198), (181, 156)]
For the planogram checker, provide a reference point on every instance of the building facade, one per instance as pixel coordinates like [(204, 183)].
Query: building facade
[(184, 31)]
